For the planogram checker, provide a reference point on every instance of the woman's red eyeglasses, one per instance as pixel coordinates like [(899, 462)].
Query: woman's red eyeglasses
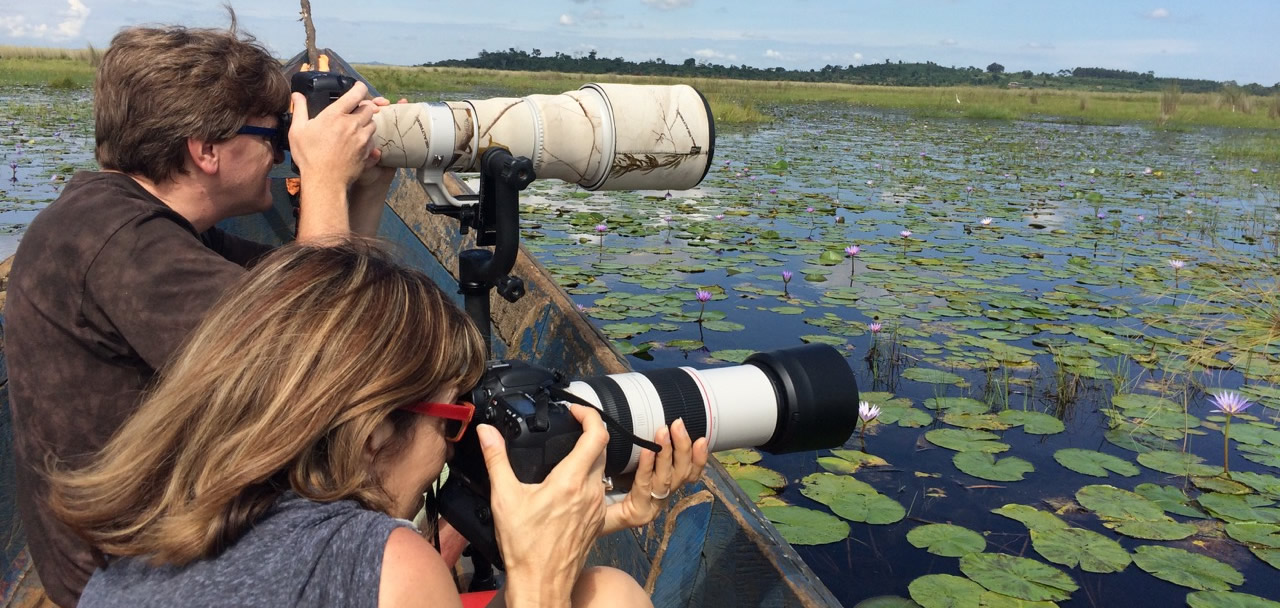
[(456, 415)]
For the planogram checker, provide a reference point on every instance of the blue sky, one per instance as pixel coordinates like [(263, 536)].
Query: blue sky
[(1232, 40)]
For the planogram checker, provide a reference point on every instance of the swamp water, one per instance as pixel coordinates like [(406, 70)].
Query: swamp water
[(1043, 370)]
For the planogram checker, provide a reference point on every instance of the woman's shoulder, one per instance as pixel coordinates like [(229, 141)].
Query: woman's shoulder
[(300, 550), (413, 573)]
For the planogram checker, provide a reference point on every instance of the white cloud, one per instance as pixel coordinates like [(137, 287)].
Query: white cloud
[(566, 19), (948, 42), (772, 54), (714, 54), (69, 23), (667, 5), (857, 57), (1160, 13)]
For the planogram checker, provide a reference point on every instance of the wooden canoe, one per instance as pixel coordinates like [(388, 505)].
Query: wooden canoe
[(712, 547)]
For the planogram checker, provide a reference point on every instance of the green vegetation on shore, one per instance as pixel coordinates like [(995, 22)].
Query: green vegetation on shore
[(737, 101), (748, 101), (37, 66)]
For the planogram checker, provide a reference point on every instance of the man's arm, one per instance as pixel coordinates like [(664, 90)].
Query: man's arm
[(333, 152)]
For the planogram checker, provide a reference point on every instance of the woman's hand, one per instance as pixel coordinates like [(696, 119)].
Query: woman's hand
[(657, 476), (545, 530)]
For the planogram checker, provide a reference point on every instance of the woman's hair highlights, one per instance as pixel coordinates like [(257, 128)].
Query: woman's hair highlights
[(279, 388)]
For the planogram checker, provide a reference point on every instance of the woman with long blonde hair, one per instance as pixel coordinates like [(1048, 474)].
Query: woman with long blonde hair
[(278, 456)]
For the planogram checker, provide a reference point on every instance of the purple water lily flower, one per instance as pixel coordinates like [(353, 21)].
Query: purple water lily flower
[(786, 276), (875, 327), (719, 216), (852, 250), (1230, 403), (703, 295), (868, 412)]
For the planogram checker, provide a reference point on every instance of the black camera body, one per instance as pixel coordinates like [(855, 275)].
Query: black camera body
[(514, 397), (321, 89)]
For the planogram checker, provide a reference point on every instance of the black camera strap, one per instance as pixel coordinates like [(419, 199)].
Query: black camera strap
[(613, 425)]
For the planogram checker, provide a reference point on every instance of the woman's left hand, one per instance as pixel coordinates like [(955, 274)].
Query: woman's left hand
[(657, 476)]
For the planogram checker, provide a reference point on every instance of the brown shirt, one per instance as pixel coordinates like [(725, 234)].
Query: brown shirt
[(106, 284)]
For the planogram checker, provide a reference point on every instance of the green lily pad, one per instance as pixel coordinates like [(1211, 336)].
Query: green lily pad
[(1165, 529), (1115, 503), (985, 422), (886, 601), (733, 355), (1177, 463), (765, 477), (1263, 484), (945, 591), (1171, 499), (1073, 547), (755, 489), (990, 599), (1031, 517), (1185, 568), (1137, 440), (738, 455), (1018, 577), (933, 376), (723, 326), (1090, 462), (619, 331), (904, 416), (1035, 423), (1227, 599), (946, 540), (852, 499), (1236, 508), (1220, 485), (985, 466), (1253, 533), (966, 440), (959, 405), (801, 526)]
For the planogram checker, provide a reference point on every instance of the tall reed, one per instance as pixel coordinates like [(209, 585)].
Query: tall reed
[(1169, 98)]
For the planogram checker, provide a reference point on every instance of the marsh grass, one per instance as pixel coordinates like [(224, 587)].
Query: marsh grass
[(1255, 148), (740, 101), (38, 66), (1169, 98)]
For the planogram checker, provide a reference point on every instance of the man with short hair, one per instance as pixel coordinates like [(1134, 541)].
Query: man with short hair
[(110, 278)]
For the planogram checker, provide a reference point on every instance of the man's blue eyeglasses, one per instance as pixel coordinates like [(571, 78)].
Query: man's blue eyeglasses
[(273, 135)]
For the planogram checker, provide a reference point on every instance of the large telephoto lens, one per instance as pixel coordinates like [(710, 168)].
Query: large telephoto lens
[(781, 401), (601, 137)]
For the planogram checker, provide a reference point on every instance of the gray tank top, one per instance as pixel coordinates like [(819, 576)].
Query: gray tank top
[(301, 553)]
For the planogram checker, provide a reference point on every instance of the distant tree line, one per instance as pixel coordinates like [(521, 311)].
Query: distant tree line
[(886, 73)]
